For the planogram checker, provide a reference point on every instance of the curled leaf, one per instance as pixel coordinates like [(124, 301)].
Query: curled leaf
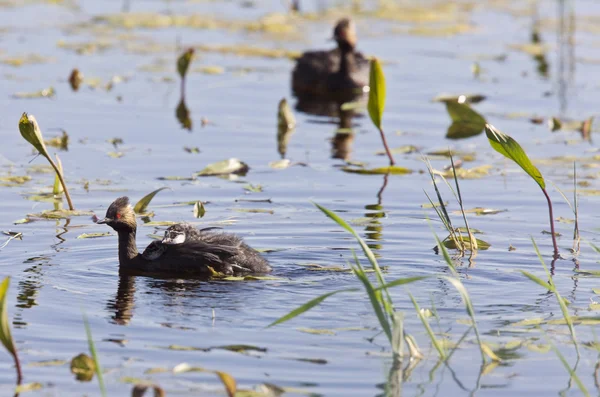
[(140, 206)]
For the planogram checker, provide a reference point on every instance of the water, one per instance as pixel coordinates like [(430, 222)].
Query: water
[(55, 277)]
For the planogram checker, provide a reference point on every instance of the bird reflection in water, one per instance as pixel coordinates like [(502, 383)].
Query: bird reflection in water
[(175, 291)]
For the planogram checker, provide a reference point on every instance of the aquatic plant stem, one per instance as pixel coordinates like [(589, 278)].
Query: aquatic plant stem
[(387, 149), (62, 182), (551, 223), (18, 367)]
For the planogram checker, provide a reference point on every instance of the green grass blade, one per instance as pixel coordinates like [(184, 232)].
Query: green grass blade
[(376, 301), (458, 285), (307, 306), (94, 355), (365, 248), (511, 149), (376, 102), (572, 373), (446, 256), (537, 280), (561, 301), (402, 281), (430, 332)]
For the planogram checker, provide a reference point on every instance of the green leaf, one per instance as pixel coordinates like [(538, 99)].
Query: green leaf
[(511, 149), (199, 210), (537, 280), (375, 298), (5, 335), (183, 62), (430, 332), (140, 206), (465, 121), (83, 367), (30, 130), (376, 102), (481, 245), (183, 115), (57, 188), (307, 306)]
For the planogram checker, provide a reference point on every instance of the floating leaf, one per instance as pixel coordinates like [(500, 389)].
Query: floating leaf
[(28, 387), (317, 331), (60, 142), (94, 235), (240, 348), (253, 188), (406, 149), (140, 206), (280, 164), (508, 147), (47, 363), (481, 245), (481, 211), (83, 367), (392, 170), (376, 103), (465, 121), (465, 98), (230, 166), (45, 93), (199, 210)]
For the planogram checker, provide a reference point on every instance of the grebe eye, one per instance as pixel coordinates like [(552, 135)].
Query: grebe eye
[(118, 216)]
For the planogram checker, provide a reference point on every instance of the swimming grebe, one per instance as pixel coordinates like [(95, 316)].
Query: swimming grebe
[(341, 71), (184, 249)]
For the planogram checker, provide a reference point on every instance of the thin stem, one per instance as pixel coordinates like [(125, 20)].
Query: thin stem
[(19, 371), (387, 149), (551, 223), (62, 182)]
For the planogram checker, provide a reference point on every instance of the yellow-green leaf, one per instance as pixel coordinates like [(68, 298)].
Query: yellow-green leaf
[(376, 102), (511, 149), (392, 170), (30, 130), (57, 188), (183, 62), (465, 121), (199, 210), (140, 206), (5, 335)]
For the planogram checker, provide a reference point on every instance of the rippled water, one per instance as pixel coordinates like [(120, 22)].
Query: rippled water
[(55, 277)]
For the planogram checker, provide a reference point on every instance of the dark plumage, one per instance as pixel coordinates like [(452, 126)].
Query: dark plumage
[(339, 72), (184, 249)]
